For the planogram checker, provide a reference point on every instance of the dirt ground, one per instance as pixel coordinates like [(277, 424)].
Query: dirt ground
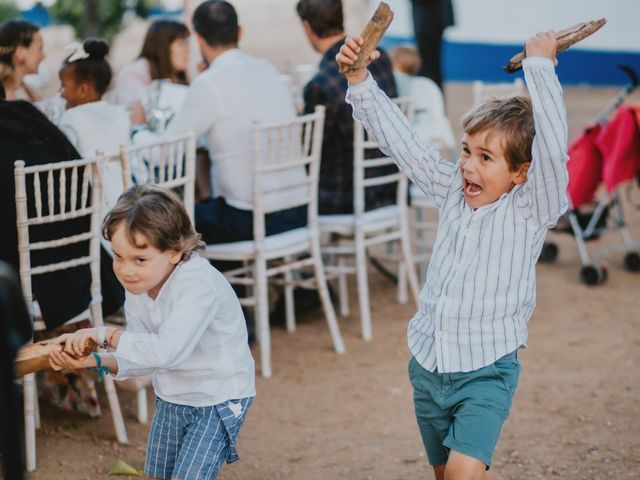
[(576, 414)]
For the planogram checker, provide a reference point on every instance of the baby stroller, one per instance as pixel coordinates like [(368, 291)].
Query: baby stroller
[(607, 152)]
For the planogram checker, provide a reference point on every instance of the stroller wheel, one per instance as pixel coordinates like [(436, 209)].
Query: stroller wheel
[(632, 262), (549, 253), (592, 275)]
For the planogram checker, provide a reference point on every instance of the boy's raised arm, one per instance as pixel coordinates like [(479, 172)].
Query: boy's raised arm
[(391, 130), (547, 179)]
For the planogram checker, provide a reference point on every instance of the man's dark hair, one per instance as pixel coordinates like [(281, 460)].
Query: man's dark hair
[(324, 16), (216, 21)]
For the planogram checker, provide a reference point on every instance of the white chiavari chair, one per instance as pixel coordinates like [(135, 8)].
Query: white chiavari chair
[(353, 235), (46, 194), (279, 149)]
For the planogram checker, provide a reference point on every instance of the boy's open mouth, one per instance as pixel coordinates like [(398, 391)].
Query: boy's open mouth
[(471, 189)]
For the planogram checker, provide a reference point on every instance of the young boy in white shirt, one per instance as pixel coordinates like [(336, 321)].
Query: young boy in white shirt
[(496, 204), (184, 325)]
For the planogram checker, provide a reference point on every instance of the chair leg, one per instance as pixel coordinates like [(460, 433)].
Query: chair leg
[(262, 315), (327, 306), (343, 288), (29, 392), (143, 411), (363, 286), (402, 279), (116, 413), (407, 257), (290, 314), (36, 407)]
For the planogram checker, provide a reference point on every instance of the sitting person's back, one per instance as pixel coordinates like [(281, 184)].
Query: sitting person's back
[(26, 134), (224, 103), (323, 24)]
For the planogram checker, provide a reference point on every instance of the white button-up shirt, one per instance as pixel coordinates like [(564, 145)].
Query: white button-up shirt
[(192, 338), (480, 289), (223, 103)]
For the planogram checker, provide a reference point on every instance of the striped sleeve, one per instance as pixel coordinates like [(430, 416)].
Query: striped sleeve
[(390, 128), (545, 192)]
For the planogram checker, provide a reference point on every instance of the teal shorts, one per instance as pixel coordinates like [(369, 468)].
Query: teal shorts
[(463, 411)]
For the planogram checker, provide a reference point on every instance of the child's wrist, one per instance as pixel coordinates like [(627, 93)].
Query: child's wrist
[(110, 336), (358, 76)]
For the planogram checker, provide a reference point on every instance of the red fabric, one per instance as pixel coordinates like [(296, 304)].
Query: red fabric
[(619, 144), (584, 167)]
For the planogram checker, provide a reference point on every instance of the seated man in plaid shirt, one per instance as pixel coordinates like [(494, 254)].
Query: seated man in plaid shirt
[(323, 24)]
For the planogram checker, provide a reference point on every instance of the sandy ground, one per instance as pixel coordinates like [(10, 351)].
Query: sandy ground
[(321, 416)]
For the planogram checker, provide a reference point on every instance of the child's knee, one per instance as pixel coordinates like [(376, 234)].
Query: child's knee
[(464, 467)]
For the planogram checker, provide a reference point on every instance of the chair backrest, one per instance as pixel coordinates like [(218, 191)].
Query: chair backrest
[(170, 163), (483, 91), (60, 192), (372, 169), (286, 158)]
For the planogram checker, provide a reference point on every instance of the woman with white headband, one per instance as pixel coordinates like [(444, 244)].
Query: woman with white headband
[(91, 124)]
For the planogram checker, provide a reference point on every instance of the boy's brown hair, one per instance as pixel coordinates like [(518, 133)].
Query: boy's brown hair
[(513, 118), (405, 58), (158, 214)]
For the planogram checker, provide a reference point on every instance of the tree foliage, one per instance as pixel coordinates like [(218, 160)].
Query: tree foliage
[(96, 18), (8, 10)]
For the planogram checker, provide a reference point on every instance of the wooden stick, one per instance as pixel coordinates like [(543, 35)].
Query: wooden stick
[(372, 33), (35, 356), (566, 38)]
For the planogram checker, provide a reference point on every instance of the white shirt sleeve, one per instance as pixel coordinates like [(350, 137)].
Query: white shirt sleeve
[(390, 128), (195, 303), (544, 194), (127, 369)]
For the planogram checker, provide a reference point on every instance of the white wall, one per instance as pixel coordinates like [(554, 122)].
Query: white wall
[(512, 21)]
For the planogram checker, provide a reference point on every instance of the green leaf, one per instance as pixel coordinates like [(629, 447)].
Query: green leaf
[(120, 467)]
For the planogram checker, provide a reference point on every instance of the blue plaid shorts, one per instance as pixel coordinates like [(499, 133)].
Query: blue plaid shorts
[(192, 442)]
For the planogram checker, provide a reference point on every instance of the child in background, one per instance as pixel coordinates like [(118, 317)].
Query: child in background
[(90, 123), (429, 120), (184, 325), (496, 205)]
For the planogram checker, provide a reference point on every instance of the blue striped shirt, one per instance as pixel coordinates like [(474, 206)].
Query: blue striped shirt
[(480, 289)]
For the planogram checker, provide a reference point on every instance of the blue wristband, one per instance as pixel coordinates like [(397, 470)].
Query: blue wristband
[(100, 370)]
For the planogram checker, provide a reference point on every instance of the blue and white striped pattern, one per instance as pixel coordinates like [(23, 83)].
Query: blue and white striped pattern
[(480, 289), (188, 442)]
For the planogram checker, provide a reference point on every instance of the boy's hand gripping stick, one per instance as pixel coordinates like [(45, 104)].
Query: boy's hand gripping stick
[(566, 38), (372, 33)]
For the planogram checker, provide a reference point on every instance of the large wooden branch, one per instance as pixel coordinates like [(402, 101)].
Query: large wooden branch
[(372, 33), (566, 38), (35, 356)]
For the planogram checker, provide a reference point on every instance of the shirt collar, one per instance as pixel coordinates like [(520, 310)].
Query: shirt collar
[(226, 57)]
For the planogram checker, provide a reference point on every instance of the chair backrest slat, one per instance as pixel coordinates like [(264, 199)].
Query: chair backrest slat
[(74, 186)]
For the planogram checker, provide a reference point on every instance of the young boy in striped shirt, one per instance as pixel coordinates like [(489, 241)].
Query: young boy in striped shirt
[(496, 204)]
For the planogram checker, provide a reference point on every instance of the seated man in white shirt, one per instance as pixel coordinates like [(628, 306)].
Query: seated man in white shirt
[(222, 103)]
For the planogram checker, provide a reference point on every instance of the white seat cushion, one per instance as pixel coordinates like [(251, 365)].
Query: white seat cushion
[(275, 246)]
